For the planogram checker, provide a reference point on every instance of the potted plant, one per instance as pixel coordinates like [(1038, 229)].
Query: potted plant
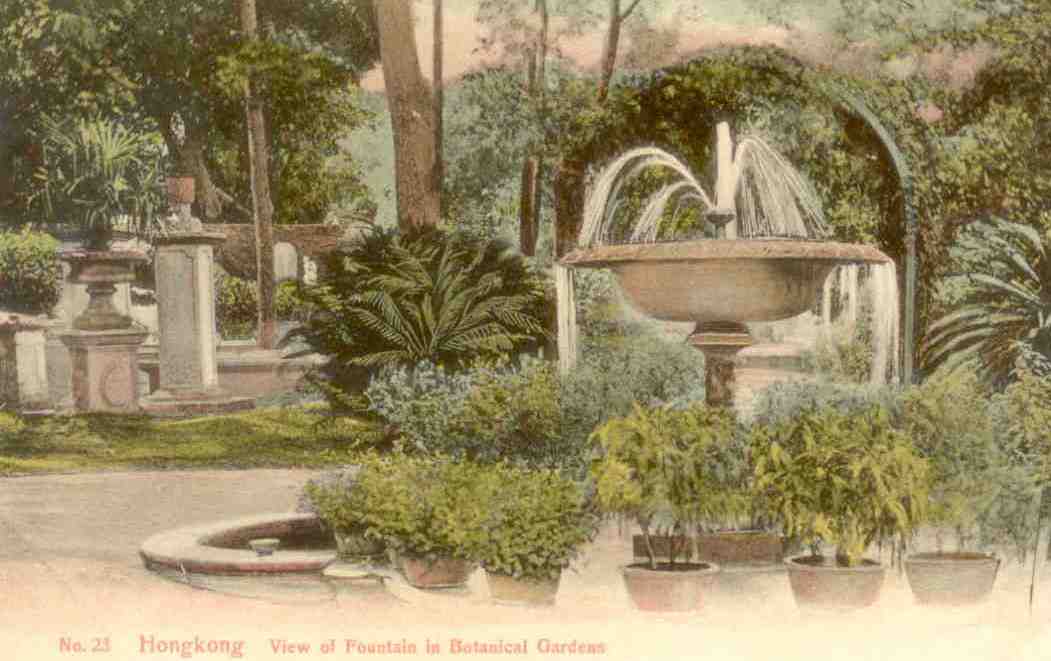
[(428, 511), (537, 522), (846, 479), (948, 419), (99, 177), (660, 466), (334, 501)]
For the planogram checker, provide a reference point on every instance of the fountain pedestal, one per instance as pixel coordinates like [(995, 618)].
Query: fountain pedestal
[(720, 341)]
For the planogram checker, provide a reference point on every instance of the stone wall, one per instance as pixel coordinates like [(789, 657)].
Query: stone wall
[(237, 255)]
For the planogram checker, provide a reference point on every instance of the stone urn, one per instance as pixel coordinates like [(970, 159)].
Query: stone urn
[(102, 271)]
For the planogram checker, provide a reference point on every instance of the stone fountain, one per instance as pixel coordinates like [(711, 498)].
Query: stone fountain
[(723, 283)]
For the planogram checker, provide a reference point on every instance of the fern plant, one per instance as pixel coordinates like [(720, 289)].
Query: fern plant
[(1006, 309), (427, 296)]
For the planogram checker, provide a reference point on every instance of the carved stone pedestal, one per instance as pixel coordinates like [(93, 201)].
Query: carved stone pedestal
[(720, 342), (105, 369), (23, 366)]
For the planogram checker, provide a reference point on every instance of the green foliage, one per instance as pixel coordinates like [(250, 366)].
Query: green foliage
[(235, 305), (977, 488), (429, 296), (614, 374), (538, 520), (847, 479), (786, 400), (485, 414), (98, 175), (1007, 304), (418, 506), (30, 273), (669, 465)]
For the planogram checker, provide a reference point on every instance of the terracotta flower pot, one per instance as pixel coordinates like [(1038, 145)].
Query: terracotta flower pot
[(819, 583), (740, 547), (669, 589), (180, 190), (437, 573), (526, 591), (951, 578), (662, 544)]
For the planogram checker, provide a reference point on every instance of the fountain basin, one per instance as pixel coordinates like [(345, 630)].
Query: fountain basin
[(223, 547), (739, 280)]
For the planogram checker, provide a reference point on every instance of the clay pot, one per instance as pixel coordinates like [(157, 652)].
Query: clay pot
[(669, 588), (951, 579), (819, 583), (662, 544), (740, 547), (437, 573), (524, 591), (180, 190)]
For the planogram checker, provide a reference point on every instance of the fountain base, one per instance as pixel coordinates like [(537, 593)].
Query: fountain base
[(720, 341)]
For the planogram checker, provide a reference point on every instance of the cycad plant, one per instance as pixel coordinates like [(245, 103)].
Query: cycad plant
[(428, 296), (1005, 312), (99, 175)]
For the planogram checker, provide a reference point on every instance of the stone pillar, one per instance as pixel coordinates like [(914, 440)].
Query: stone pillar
[(720, 342), (188, 377), (23, 366), (105, 369)]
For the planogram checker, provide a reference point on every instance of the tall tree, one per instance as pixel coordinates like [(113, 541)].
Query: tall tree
[(262, 207), (532, 170), (411, 102)]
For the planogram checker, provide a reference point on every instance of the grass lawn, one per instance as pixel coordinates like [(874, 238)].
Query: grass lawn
[(297, 436)]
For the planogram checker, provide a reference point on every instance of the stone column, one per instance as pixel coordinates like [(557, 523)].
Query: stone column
[(23, 366), (188, 376)]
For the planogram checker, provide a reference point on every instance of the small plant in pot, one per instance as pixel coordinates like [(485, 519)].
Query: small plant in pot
[(538, 521), (659, 465), (429, 511), (846, 479), (336, 502), (970, 474)]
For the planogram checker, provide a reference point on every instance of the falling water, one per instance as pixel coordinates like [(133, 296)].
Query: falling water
[(567, 318), (883, 288), (848, 292)]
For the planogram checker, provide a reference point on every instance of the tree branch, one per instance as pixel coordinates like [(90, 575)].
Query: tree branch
[(631, 8)]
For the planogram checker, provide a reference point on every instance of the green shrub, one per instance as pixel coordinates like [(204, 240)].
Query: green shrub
[(615, 374), (537, 522), (429, 296), (30, 273), (665, 467), (235, 305), (418, 506), (844, 478), (486, 414), (786, 400)]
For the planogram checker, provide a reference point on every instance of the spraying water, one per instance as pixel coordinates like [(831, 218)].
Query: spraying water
[(883, 287)]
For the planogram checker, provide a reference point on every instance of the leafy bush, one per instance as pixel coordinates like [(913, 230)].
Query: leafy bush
[(428, 296), (30, 273), (845, 478), (235, 305), (846, 354), (665, 466), (615, 374), (971, 475), (487, 414), (786, 400), (538, 520), (417, 506)]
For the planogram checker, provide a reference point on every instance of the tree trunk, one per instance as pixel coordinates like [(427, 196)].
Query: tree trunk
[(262, 207), (569, 205), (530, 198), (609, 49), (439, 102), (412, 116)]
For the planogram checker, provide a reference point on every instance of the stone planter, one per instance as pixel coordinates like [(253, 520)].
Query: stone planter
[(523, 591), (102, 271), (662, 545), (747, 547), (951, 579), (666, 589), (180, 191), (437, 573), (818, 583)]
